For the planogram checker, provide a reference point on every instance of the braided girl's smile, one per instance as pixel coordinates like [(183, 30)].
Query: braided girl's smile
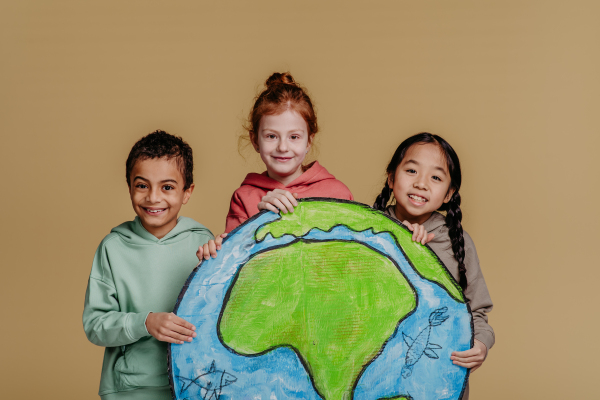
[(417, 199)]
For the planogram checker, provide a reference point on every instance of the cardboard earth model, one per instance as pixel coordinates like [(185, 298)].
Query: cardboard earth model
[(333, 301)]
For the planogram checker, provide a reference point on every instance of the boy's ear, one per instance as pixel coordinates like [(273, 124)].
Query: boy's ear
[(449, 195), (187, 193)]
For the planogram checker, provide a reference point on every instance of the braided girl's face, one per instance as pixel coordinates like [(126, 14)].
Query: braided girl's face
[(420, 183)]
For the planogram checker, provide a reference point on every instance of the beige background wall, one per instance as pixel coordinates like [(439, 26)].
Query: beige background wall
[(513, 85)]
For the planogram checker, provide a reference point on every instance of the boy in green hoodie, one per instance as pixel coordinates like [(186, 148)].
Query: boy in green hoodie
[(139, 270)]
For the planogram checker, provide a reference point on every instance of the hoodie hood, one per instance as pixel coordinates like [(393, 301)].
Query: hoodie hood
[(436, 223), (134, 232), (315, 173)]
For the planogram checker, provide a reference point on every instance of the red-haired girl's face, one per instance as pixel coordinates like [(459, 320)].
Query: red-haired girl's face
[(282, 141)]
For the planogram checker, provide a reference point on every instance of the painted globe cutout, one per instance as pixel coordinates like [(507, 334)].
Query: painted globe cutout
[(333, 301)]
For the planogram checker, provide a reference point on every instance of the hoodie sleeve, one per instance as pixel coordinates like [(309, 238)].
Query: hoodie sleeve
[(237, 213), (478, 295), (103, 322)]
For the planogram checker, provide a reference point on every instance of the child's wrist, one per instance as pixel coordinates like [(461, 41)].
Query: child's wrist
[(146, 321)]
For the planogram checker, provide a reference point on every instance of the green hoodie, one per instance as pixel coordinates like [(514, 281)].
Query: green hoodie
[(133, 274)]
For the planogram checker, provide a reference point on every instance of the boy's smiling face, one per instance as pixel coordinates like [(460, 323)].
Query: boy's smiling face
[(157, 194)]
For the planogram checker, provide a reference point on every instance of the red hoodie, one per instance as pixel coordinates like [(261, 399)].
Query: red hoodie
[(314, 182)]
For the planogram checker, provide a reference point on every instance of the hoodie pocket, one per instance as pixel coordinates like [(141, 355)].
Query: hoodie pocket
[(142, 364)]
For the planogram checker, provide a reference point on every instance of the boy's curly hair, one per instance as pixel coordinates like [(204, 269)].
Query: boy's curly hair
[(161, 144)]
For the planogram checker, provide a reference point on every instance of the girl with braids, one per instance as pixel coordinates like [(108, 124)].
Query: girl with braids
[(281, 127), (423, 178)]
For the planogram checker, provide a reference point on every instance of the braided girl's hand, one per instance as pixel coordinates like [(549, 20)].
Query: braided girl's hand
[(419, 233), (472, 358)]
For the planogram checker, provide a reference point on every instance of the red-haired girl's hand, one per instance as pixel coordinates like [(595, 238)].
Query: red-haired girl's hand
[(279, 199), (419, 233), (210, 248), (472, 358)]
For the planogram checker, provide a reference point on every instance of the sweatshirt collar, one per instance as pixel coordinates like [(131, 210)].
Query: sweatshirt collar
[(142, 232), (134, 231), (315, 173), (435, 221)]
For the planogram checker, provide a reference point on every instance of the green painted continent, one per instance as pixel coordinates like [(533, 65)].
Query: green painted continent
[(335, 303), (324, 215)]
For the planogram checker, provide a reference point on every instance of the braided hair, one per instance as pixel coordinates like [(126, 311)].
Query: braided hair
[(452, 207)]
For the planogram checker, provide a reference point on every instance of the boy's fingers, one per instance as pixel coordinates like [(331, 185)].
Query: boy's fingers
[(295, 195), (181, 322), (212, 248), (219, 240), (183, 331), (199, 253), (206, 252), (168, 339), (408, 225), (177, 337)]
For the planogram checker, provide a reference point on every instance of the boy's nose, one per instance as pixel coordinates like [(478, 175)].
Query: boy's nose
[(153, 196)]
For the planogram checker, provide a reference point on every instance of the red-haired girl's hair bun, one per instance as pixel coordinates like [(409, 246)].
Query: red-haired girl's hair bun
[(280, 78)]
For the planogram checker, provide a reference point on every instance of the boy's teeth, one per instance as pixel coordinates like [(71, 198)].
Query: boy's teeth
[(417, 198)]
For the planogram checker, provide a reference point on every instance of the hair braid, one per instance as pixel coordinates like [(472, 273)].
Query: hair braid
[(383, 197), (455, 231)]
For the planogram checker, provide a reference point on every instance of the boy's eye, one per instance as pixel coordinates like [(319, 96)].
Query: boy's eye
[(411, 171), (168, 187), (271, 136), (437, 178), (141, 186), (294, 137)]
